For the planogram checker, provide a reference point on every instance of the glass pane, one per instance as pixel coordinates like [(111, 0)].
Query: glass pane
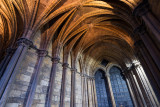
[(119, 87), (103, 98)]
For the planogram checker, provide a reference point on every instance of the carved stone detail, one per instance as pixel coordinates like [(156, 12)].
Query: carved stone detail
[(42, 53), (65, 65), (24, 42), (55, 59)]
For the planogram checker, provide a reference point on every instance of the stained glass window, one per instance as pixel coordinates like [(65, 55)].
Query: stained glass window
[(103, 97), (119, 87)]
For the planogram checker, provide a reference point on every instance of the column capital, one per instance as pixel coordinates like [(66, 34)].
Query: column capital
[(141, 9), (55, 59), (65, 65), (24, 42), (42, 53)]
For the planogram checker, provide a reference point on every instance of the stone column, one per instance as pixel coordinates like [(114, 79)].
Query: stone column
[(150, 20), (95, 95), (149, 75), (134, 89), (151, 95), (131, 92), (92, 92), (110, 90), (149, 61), (35, 78), (6, 60), (84, 92), (63, 84), (73, 79), (138, 88), (10, 72), (149, 44), (141, 85), (49, 97), (87, 91), (82, 83)]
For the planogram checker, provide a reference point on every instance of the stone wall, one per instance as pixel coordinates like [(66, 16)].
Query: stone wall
[(57, 86), (21, 86), (42, 86), (78, 91), (68, 88)]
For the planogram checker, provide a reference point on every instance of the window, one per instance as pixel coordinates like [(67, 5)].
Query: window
[(103, 97), (119, 87)]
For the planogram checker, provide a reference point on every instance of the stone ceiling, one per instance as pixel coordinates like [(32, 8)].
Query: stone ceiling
[(91, 29)]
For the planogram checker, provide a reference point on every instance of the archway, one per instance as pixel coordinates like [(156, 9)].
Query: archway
[(102, 90), (119, 87)]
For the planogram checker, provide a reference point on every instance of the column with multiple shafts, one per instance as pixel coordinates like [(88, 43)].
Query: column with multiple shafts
[(35, 77), (10, 71)]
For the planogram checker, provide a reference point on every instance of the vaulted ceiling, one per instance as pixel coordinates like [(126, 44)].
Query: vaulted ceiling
[(91, 29)]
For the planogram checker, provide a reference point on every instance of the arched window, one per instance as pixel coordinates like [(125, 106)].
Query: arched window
[(103, 97), (119, 88)]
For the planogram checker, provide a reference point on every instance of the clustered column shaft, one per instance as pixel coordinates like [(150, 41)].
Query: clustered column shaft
[(10, 71), (55, 61), (35, 78)]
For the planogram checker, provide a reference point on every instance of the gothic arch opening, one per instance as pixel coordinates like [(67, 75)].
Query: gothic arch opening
[(119, 88), (102, 89)]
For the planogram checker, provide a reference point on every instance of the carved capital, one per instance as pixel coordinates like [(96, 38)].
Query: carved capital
[(65, 65), (42, 53), (134, 66), (55, 60), (24, 42), (141, 9)]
